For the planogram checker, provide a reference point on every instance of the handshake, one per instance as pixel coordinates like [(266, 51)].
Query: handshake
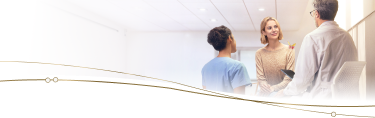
[(268, 91)]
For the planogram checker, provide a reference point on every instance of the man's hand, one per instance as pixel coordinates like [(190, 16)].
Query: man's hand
[(280, 94)]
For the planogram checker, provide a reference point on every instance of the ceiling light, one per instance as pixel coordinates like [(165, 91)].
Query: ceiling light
[(202, 9), (261, 9), (213, 20)]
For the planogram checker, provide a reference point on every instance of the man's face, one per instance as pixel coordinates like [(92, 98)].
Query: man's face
[(314, 13)]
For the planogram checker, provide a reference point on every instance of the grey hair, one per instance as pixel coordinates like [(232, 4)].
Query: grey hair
[(327, 9)]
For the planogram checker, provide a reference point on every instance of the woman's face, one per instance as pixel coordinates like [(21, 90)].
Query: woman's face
[(271, 30)]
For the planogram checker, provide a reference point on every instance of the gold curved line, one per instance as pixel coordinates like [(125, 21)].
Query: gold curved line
[(230, 97), (277, 104), (97, 69), (256, 101), (111, 71), (28, 80), (216, 94), (319, 111)]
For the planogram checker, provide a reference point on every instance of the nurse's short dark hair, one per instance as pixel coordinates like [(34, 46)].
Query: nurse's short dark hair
[(327, 9), (218, 36)]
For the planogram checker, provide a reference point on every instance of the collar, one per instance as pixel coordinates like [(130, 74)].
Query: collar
[(328, 23)]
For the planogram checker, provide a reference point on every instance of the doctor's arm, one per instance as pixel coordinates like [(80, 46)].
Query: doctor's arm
[(307, 65)]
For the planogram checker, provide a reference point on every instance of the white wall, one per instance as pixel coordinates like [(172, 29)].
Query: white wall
[(370, 56), (307, 25), (35, 31), (368, 7), (176, 56), (357, 11)]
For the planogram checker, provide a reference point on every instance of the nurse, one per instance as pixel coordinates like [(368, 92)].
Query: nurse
[(223, 73)]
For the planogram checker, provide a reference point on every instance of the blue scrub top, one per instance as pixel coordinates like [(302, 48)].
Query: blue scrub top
[(224, 74)]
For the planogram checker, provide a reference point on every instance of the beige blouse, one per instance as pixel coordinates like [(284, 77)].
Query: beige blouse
[(269, 65)]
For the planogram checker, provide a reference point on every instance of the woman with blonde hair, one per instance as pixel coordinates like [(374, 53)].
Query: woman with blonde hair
[(272, 58)]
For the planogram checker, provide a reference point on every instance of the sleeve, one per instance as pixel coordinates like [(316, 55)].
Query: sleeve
[(306, 67), (240, 76), (259, 66), (289, 66)]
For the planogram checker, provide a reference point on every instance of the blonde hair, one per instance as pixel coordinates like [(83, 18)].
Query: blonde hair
[(263, 38)]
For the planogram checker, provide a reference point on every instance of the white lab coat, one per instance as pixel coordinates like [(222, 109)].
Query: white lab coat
[(323, 52)]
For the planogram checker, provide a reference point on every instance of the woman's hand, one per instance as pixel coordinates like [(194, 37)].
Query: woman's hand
[(266, 88)]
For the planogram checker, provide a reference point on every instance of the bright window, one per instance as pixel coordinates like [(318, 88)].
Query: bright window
[(341, 14), (356, 11)]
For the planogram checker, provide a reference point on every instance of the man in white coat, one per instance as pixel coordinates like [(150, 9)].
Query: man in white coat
[(323, 52)]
